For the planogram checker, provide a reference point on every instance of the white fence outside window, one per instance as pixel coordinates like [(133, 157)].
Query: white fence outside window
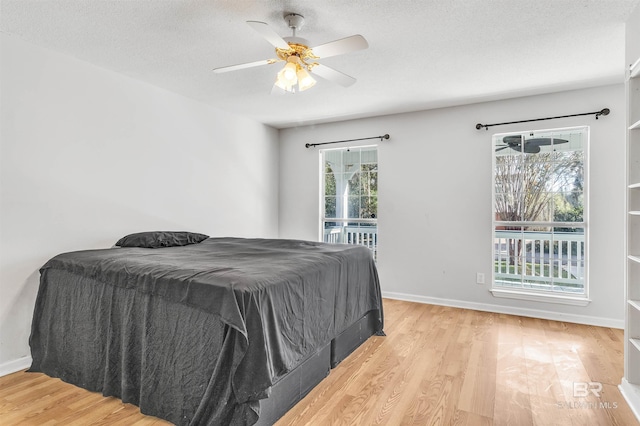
[(363, 234), (540, 260)]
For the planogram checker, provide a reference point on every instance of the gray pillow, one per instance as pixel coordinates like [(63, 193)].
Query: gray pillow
[(157, 239)]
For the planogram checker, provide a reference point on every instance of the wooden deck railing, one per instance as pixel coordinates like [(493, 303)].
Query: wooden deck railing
[(540, 260), (365, 236)]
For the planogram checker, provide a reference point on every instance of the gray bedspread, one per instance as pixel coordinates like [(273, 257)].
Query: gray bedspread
[(213, 324)]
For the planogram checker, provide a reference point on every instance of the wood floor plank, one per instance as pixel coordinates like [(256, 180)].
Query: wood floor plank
[(413, 377), (438, 401), (27, 381), (384, 407), (463, 418), (436, 366), (512, 404), (480, 374)]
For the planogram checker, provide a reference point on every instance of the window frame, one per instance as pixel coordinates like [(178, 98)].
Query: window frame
[(578, 299), (321, 193)]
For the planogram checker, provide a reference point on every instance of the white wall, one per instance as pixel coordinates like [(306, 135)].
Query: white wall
[(435, 198), (88, 155)]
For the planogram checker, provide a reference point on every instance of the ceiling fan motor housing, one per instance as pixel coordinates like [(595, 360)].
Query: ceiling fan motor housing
[(294, 21), (298, 46)]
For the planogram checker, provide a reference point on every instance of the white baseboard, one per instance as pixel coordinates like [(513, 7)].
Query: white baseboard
[(524, 312), (631, 394), (15, 365)]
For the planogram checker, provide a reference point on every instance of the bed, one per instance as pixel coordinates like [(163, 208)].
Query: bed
[(212, 332)]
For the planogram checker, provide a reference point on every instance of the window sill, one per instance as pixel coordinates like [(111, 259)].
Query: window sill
[(541, 297)]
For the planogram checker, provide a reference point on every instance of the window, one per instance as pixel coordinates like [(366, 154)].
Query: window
[(540, 215), (350, 196)]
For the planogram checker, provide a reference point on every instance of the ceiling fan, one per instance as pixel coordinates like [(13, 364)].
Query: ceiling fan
[(299, 58), (531, 146)]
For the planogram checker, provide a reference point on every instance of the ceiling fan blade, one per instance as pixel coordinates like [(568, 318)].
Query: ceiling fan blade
[(545, 141), (335, 76), (512, 139), (339, 47), (531, 149), (243, 66), (501, 148), (268, 34)]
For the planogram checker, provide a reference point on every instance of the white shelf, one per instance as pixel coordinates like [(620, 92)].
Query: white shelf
[(630, 385), (634, 70), (631, 394)]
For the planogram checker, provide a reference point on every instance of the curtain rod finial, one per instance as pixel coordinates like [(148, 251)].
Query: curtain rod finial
[(479, 126)]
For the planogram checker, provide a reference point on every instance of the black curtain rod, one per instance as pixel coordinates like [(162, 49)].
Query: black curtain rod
[(309, 145), (604, 111)]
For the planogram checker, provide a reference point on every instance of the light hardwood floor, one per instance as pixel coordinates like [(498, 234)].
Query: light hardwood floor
[(437, 365)]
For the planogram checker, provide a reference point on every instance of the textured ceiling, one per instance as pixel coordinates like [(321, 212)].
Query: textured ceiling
[(422, 54)]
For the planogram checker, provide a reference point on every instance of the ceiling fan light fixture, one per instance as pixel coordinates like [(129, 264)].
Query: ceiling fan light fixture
[(305, 81), (284, 85), (287, 77), (288, 73)]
